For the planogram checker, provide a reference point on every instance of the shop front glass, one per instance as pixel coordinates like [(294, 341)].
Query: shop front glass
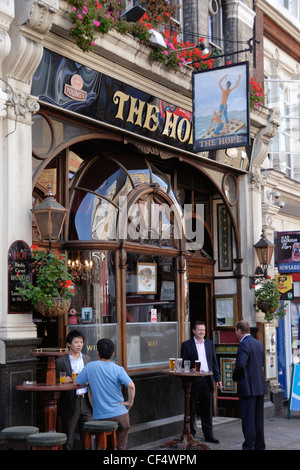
[(152, 326), (93, 308), (100, 186)]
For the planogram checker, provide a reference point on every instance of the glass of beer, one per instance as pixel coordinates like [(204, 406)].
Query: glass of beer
[(74, 375), (172, 362), (62, 377), (197, 366)]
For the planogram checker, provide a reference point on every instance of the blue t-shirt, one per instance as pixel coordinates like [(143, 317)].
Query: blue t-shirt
[(105, 380)]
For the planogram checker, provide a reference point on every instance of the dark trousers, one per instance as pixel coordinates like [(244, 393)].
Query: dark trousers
[(122, 431), (81, 414), (252, 413), (201, 398)]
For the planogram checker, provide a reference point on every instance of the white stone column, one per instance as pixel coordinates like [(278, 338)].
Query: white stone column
[(22, 28)]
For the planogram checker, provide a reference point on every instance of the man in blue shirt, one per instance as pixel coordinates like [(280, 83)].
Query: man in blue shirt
[(105, 380)]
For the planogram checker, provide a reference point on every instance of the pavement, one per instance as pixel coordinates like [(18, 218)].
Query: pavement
[(281, 433)]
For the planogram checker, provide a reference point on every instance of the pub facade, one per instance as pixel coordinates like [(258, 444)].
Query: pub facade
[(156, 235)]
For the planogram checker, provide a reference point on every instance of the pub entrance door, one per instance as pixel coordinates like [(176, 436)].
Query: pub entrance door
[(199, 305)]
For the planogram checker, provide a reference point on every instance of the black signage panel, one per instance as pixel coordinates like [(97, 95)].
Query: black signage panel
[(72, 86), (19, 270)]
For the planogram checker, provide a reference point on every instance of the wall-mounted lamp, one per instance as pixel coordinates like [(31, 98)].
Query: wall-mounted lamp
[(264, 250), (157, 39), (134, 14), (49, 216), (203, 48)]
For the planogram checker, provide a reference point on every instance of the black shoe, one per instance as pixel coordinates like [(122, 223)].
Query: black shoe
[(212, 439)]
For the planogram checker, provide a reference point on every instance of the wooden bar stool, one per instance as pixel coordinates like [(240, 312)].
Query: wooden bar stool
[(47, 441), (15, 437), (100, 429)]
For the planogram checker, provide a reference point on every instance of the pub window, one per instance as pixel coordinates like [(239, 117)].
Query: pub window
[(152, 324), (93, 308)]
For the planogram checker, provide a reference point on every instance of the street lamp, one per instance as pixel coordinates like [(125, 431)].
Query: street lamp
[(264, 250), (49, 216)]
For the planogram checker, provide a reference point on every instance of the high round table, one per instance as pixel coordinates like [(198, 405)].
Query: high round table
[(50, 395), (186, 440), (50, 390)]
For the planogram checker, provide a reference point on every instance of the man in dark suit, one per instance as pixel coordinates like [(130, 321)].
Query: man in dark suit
[(202, 387), (249, 375), (75, 405)]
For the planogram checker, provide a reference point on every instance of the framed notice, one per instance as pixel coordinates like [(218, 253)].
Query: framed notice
[(221, 107), (270, 352), (19, 271), (225, 306), (146, 278)]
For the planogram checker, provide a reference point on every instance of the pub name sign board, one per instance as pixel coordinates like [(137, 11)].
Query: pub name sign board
[(65, 83)]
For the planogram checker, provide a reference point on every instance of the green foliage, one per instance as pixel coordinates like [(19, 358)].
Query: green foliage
[(52, 278), (268, 300), (90, 18)]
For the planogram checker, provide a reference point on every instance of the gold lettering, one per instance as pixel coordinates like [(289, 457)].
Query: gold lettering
[(135, 110), (152, 114), (170, 122), (191, 141), (180, 126), (120, 98)]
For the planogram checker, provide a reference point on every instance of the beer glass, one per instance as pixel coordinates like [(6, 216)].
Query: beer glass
[(62, 377), (74, 373), (178, 365), (187, 366), (172, 362), (197, 366)]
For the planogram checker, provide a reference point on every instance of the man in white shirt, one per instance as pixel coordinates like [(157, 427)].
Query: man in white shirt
[(75, 406), (202, 387)]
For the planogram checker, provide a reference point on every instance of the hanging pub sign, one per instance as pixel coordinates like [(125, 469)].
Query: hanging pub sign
[(19, 270), (221, 107), (288, 252)]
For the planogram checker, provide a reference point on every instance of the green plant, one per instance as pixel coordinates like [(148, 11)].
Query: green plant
[(52, 279), (267, 299)]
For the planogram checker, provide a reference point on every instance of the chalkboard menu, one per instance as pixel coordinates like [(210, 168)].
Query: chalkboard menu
[(19, 270)]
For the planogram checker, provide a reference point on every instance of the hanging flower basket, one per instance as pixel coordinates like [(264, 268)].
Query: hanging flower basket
[(266, 306), (60, 307), (267, 300), (52, 287)]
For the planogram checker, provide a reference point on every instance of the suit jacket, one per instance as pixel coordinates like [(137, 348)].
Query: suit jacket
[(67, 399), (189, 352), (248, 372)]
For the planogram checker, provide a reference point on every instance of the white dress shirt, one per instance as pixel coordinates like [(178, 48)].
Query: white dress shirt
[(77, 365), (201, 355)]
